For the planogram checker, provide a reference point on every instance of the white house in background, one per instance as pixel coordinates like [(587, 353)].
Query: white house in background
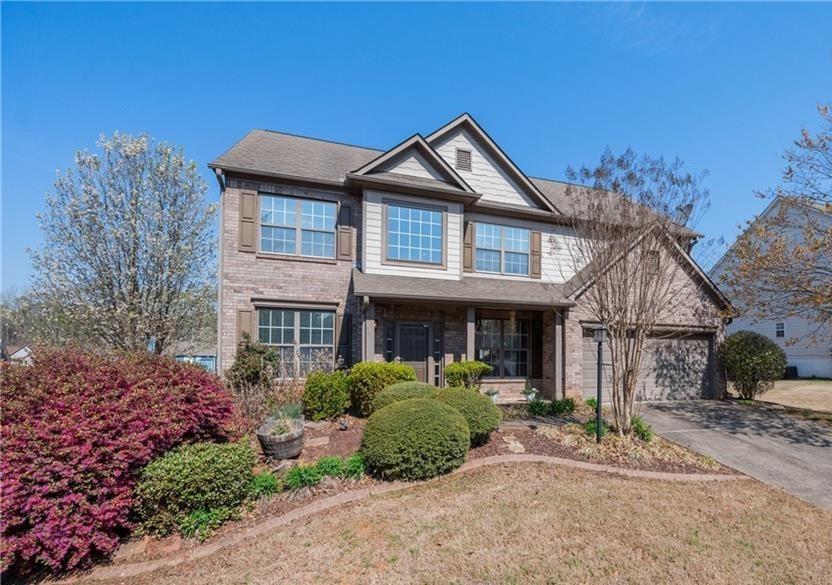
[(793, 334)]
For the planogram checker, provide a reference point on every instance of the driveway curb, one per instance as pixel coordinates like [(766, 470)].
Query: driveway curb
[(140, 568)]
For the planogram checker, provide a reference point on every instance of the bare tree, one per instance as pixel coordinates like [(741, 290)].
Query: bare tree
[(128, 257), (632, 217), (782, 264)]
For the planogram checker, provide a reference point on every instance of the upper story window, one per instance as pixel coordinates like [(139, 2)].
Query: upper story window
[(463, 159), (298, 227), (502, 249), (779, 329), (414, 234)]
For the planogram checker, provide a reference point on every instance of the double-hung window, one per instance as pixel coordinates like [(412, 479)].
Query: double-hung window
[(414, 234), (504, 345), (502, 249), (298, 227), (300, 338)]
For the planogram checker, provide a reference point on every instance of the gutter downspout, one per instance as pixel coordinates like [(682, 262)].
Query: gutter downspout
[(221, 180)]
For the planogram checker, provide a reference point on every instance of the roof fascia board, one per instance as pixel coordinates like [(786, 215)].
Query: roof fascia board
[(281, 176), (467, 120), (373, 181)]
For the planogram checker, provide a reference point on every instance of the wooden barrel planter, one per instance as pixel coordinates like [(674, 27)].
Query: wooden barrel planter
[(281, 445)]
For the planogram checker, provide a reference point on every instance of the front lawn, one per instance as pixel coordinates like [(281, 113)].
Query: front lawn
[(803, 394), (534, 523)]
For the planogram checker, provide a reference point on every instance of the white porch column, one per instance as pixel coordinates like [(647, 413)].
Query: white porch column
[(559, 352), (471, 334)]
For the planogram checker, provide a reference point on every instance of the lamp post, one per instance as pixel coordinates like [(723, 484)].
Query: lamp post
[(599, 335)]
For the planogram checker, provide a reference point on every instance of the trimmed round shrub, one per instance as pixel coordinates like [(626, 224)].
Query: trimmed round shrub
[(466, 374), (481, 414), (326, 395), (77, 430), (369, 378), (415, 439), (402, 391), (202, 476), (752, 362)]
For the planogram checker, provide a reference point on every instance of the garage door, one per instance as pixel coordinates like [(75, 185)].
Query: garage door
[(674, 368)]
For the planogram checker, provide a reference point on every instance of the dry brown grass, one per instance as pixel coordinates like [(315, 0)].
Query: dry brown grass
[(626, 450), (804, 394), (534, 523)]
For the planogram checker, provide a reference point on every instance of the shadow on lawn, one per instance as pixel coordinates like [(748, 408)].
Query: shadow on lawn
[(749, 419)]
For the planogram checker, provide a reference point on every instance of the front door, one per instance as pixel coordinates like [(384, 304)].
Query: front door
[(413, 348)]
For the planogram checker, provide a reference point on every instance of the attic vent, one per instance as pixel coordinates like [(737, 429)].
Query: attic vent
[(463, 159)]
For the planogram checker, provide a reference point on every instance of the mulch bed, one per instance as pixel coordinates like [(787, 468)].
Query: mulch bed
[(536, 444), (329, 438)]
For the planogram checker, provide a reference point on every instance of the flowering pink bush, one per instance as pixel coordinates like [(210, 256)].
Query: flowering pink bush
[(76, 429)]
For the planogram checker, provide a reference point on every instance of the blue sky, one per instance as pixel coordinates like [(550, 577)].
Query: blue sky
[(724, 86)]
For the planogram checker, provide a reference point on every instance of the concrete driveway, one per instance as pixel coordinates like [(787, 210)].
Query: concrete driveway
[(781, 450)]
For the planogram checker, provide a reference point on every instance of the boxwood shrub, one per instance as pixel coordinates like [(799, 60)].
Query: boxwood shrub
[(481, 414), (326, 395), (201, 476), (402, 391), (415, 439), (465, 373), (369, 378)]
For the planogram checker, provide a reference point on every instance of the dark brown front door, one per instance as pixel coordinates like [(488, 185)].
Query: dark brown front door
[(413, 348)]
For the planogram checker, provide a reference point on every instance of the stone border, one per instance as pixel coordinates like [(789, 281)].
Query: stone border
[(140, 568)]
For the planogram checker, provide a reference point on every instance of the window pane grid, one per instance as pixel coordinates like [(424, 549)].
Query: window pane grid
[(285, 220), (504, 345), (301, 339), (502, 249), (414, 235)]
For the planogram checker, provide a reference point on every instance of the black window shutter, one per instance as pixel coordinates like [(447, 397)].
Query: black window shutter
[(537, 346), (389, 340), (343, 330)]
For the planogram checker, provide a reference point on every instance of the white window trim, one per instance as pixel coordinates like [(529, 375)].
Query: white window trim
[(299, 229), (502, 249), (296, 346)]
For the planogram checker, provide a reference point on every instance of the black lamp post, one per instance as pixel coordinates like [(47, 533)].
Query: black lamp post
[(599, 335)]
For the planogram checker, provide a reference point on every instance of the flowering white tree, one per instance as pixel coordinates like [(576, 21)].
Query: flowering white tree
[(128, 258)]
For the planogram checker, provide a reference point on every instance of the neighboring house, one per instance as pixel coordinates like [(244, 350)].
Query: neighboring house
[(17, 353), (439, 249), (810, 354)]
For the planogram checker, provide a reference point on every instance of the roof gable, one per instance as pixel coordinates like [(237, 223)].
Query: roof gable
[(414, 158), (493, 174)]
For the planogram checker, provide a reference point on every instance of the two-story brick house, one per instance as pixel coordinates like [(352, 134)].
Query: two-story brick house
[(439, 249)]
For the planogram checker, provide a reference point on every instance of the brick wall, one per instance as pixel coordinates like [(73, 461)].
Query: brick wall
[(245, 276)]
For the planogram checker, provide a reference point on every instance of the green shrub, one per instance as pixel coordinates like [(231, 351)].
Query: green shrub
[(201, 476), (466, 374), (301, 476), (354, 466), (481, 414), (369, 378), (331, 466), (641, 429), (291, 411), (564, 406), (254, 364), (752, 362), (538, 407), (326, 395), (589, 427), (591, 402), (200, 524), (415, 439), (402, 391), (265, 484)]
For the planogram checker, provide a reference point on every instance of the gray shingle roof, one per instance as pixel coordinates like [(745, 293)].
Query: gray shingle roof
[(491, 291), (297, 156)]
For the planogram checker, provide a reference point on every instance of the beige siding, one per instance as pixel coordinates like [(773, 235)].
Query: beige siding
[(485, 177), (373, 238), (560, 255), (414, 165)]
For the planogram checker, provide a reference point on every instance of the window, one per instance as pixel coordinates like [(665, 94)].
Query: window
[(463, 159), (502, 249), (504, 345), (414, 234), (297, 226), (301, 338), (779, 329)]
